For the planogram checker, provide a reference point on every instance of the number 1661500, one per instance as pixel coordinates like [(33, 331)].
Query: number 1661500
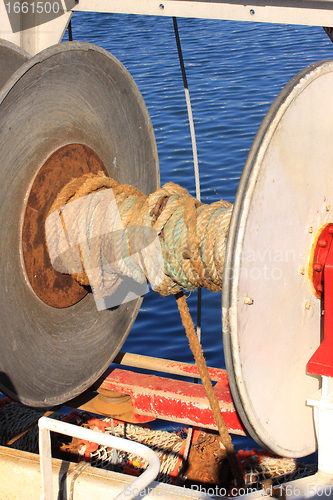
[(33, 7)]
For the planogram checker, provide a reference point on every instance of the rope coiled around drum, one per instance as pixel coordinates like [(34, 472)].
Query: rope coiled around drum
[(192, 235)]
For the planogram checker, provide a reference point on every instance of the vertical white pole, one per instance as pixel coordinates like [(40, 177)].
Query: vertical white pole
[(45, 463)]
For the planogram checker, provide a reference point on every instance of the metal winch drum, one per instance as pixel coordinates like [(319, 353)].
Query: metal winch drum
[(74, 109), (70, 110), (271, 310)]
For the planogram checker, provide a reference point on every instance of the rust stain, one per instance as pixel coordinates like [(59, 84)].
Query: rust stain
[(54, 288), (207, 462)]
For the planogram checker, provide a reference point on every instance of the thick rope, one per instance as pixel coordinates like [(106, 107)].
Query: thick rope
[(206, 382), (192, 235)]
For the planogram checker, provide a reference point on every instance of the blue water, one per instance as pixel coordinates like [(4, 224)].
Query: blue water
[(234, 72)]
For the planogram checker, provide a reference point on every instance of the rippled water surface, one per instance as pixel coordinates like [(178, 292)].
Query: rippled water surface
[(235, 71)]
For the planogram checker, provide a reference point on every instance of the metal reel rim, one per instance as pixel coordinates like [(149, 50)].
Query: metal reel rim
[(89, 382), (66, 47), (11, 58), (16, 48)]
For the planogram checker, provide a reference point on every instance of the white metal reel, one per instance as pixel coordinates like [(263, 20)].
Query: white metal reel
[(271, 316)]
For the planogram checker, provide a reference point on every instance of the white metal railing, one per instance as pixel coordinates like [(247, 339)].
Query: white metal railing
[(47, 424)]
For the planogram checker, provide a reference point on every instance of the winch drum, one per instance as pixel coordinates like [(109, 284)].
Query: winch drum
[(69, 94), (271, 314)]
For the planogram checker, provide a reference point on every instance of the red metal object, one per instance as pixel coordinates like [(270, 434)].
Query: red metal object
[(175, 400), (321, 363), (320, 254)]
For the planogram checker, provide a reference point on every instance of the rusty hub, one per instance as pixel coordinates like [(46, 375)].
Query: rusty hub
[(320, 251), (54, 288)]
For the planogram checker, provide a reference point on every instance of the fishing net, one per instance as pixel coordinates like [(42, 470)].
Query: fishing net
[(19, 430), (167, 446)]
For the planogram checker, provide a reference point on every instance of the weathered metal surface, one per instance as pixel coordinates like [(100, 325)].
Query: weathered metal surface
[(174, 400), (168, 366), (128, 411), (11, 58), (107, 403), (284, 197), (207, 461), (53, 288), (73, 93)]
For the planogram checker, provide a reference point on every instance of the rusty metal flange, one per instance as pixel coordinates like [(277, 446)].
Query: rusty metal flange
[(52, 287)]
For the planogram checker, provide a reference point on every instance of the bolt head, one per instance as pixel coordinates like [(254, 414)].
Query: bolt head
[(322, 243), (318, 267), (330, 229)]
